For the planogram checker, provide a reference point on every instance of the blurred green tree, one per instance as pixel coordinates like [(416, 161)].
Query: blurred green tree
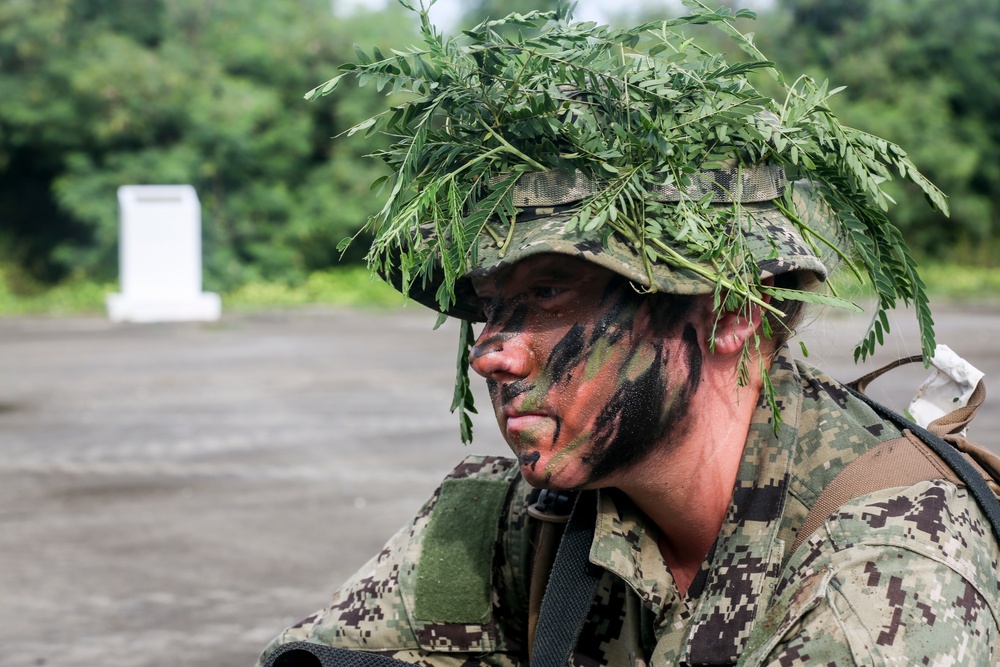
[(102, 93), (925, 74)]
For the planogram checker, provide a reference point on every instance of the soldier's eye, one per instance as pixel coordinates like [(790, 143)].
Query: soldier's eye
[(547, 292)]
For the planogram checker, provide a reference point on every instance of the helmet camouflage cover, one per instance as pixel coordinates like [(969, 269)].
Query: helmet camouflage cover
[(634, 149)]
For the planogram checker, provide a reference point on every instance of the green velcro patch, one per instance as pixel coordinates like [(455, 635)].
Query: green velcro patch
[(455, 575)]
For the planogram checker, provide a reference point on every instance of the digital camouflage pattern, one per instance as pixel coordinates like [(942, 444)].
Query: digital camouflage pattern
[(746, 184), (902, 576)]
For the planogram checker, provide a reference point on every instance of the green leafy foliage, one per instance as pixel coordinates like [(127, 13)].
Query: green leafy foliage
[(463, 400), (630, 109)]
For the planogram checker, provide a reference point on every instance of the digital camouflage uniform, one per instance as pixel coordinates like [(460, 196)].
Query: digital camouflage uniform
[(904, 576)]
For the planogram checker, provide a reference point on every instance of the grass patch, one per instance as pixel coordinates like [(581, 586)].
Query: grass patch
[(961, 282), (347, 286), (72, 297), (353, 286), (944, 282)]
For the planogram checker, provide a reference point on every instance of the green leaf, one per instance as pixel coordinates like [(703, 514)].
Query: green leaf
[(326, 88), (812, 297), (462, 399), (365, 124)]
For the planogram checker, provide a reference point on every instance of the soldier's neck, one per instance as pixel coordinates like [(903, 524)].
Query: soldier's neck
[(685, 487)]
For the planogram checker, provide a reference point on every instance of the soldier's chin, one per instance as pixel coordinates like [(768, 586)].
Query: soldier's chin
[(566, 476)]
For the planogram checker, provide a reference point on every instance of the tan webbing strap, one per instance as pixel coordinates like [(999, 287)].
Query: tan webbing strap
[(957, 420), (899, 462), (983, 461), (949, 428)]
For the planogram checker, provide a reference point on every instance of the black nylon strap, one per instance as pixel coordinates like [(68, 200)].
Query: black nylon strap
[(973, 481), (570, 590), (305, 654)]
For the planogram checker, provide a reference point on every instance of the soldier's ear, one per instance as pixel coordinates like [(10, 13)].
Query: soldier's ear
[(734, 327)]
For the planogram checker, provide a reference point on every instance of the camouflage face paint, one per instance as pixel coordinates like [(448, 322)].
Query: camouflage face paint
[(643, 405), (644, 411), (586, 376)]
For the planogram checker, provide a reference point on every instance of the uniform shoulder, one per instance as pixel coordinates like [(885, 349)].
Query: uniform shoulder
[(930, 519), (893, 577), (833, 428)]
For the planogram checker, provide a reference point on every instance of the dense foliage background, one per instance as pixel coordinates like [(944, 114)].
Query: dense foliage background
[(95, 94)]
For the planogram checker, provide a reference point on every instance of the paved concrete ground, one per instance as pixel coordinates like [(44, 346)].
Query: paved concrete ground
[(176, 494)]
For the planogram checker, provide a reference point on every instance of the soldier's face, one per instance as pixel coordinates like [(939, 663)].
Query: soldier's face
[(586, 375)]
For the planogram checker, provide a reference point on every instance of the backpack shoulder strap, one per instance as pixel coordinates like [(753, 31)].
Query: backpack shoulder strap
[(306, 654), (951, 429), (937, 452), (898, 462), (572, 585), (971, 476), (861, 384), (952, 426)]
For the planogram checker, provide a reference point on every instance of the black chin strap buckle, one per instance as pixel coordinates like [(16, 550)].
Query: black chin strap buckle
[(551, 505)]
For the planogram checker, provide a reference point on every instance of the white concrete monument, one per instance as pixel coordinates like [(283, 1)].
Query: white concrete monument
[(159, 239)]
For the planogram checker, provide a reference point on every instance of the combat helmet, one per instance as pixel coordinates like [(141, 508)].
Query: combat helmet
[(634, 149)]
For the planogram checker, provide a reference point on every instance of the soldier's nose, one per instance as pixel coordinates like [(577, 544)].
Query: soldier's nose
[(501, 356)]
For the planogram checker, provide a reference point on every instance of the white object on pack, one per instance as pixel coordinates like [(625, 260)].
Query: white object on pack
[(951, 383), (160, 257)]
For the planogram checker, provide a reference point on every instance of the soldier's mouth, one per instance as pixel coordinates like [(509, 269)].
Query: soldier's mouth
[(523, 421)]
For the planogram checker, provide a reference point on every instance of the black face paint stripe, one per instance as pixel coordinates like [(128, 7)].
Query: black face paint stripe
[(694, 359), (566, 354), (667, 311), (628, 425), (485, 346), (530, 459), (518, 316), (617, 314), (673, 420), (613, 286), (632, 423)]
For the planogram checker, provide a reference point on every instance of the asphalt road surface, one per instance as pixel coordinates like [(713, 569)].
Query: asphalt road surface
[(177, 494)]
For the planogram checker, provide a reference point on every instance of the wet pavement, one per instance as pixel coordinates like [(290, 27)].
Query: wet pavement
[(176, 494)]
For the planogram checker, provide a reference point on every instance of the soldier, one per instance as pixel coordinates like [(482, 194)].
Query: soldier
[(659, 385)]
